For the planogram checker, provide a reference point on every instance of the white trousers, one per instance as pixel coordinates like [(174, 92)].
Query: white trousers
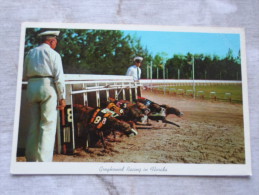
[(42, 97)]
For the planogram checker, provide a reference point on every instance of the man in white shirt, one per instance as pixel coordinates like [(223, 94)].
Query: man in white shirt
[(135, 70), (44, 72)]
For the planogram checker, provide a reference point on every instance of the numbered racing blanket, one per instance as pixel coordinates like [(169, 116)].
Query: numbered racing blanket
[(100, 117), (118, 110)]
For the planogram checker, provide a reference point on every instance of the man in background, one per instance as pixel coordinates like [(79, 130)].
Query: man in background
[(44, 72), (135, 70)]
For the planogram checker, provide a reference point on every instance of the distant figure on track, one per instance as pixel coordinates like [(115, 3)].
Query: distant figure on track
[(135, 70)]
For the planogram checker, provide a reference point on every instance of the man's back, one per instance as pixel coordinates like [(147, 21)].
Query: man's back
[(40, 61)]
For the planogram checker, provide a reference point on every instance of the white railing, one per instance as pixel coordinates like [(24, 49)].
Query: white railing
[(83, 84), (180, 81)]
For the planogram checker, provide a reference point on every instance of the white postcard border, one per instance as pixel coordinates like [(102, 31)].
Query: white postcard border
[(133, 168)]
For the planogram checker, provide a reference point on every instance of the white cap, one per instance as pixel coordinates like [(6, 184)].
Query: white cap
[(138, 58), (49, 33)]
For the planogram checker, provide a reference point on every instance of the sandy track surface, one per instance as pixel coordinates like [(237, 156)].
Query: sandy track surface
[(210, 132)]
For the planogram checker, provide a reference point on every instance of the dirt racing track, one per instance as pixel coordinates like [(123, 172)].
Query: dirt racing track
[(210, 132)]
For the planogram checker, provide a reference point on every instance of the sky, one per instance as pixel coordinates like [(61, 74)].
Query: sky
[(184, 42)]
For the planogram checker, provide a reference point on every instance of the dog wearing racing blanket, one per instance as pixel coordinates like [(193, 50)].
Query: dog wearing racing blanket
[(133, 112), (160, 112), (99, 123), (121, 112)]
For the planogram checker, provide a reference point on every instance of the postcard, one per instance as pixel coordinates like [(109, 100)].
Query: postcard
[(131, 100)]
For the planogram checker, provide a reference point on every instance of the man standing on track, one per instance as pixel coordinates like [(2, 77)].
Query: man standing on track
[(44, 72)]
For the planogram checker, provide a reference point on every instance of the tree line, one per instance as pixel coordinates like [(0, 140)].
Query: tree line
[(111, 52)]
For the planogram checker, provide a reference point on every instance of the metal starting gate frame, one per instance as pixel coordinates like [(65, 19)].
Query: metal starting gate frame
[(91, 90)]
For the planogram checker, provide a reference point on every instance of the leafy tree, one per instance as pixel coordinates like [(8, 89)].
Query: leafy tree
[(206, 67), (175, 66), (94, 51)]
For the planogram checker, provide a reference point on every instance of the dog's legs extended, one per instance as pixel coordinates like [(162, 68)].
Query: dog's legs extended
[(102, 139), (114, 135), (87, 143), (169, 122), (148, 124)]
